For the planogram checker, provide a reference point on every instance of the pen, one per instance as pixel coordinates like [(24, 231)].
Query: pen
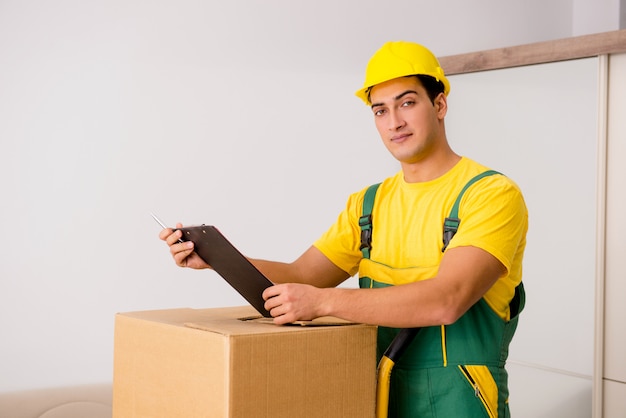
[(162, 224)]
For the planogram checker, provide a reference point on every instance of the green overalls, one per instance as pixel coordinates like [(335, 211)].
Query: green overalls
[(455, 370)]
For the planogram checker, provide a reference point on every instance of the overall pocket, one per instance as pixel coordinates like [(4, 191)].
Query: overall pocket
[(484, 386)]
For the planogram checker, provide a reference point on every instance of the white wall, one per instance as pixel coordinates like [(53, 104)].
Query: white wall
[(239, 114), (597, 16)]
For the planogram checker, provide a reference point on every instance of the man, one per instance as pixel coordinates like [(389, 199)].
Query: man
[(464, 294)]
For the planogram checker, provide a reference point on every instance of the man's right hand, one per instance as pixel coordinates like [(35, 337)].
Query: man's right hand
[(182, 252)]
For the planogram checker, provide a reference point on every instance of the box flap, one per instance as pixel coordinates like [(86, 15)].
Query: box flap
[(238, 320), (260, 325)]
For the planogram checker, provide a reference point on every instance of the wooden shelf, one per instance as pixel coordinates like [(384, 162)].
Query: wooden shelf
[(536, 53)]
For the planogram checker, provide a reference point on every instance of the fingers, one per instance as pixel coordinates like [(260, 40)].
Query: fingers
[(174, 237), (274, 304), (289, 302), (170, 236), (165, 233), (181, 251), (271, 291)]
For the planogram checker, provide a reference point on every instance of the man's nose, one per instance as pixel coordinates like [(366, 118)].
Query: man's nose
[(395, 121)]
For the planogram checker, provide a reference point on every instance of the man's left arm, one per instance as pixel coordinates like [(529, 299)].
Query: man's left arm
[(465, 274)]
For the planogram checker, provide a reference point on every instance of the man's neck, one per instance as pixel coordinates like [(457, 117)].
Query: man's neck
[(430, 169)]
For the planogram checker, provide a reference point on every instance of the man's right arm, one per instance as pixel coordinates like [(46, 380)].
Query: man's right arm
[(312, 267)]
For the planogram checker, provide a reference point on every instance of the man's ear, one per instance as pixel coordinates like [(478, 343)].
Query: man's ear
[(441, 105)]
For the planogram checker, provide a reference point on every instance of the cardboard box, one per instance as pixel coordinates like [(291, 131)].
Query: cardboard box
[(220, 363)]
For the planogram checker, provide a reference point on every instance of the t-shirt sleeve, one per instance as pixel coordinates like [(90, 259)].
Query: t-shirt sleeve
[(340, 243), (494, 218)]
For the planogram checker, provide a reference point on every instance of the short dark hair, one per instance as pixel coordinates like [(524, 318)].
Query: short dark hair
[(432, 86)]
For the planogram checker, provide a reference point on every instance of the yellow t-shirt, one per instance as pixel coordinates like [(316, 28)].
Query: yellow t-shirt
[(407, 229)]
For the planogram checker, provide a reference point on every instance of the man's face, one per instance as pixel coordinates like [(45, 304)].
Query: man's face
[(410, 126)]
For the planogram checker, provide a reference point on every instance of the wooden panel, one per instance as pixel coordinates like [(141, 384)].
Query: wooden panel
[(536, 53)]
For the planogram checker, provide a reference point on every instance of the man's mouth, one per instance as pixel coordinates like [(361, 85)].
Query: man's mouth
[(400, 137)]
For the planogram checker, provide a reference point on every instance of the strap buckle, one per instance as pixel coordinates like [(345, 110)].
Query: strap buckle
[(450, 226), (365, 222)]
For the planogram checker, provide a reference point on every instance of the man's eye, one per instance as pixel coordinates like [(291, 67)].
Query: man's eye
[(407, 103), (379, 112)]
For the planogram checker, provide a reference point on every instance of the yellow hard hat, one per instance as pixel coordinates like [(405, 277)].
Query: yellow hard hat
[(400, 59)]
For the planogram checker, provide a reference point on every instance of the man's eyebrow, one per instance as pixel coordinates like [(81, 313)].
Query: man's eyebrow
[(398, 97)]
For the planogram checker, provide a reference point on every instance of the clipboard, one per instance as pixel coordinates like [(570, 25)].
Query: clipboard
[(228, 262)]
